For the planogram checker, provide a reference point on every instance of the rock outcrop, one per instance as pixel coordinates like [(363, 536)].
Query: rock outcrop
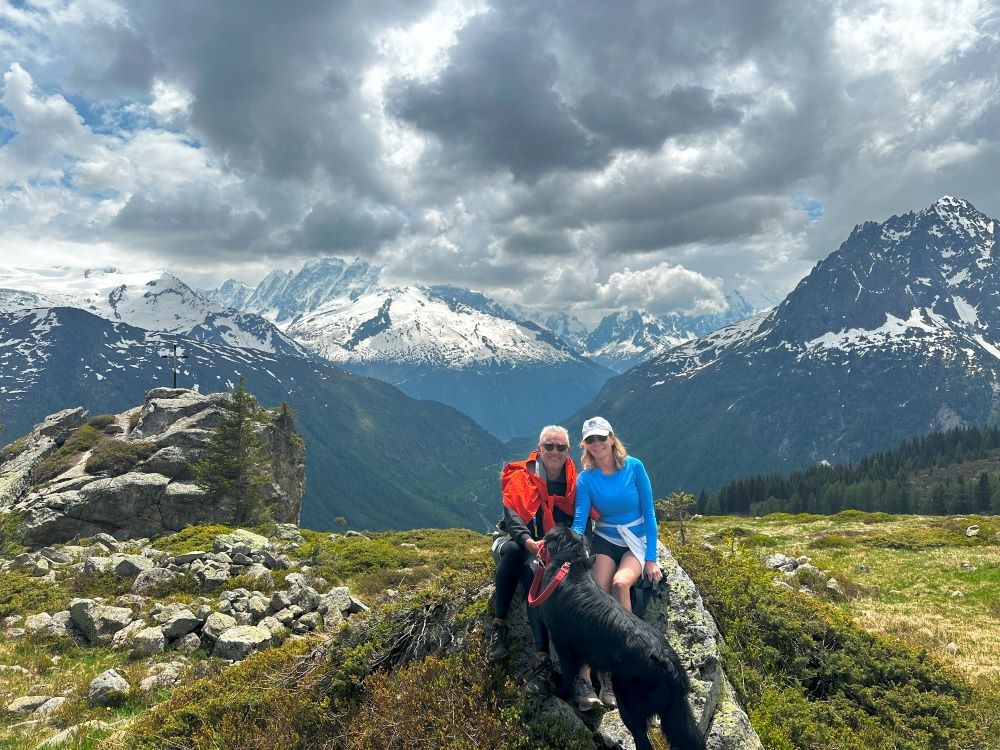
[(155, 494)]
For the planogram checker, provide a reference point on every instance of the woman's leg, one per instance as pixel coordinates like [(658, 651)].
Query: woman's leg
[(603, 571), (624, 578)]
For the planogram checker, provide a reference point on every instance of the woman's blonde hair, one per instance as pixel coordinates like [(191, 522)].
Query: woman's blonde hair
[(618, 453)]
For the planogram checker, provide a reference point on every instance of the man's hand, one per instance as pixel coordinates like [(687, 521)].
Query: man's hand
[(531, 545)]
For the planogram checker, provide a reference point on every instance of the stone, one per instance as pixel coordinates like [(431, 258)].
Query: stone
[(180, 623), (54, 555), (241, 538), (68, 734), (160, 676), (51, 705), (781, 562), (280, 600), (216, 624), (833, 586), (98, 622), (239, 642), (147, 642), (96, 565), (151, 580), (104, 540), (28, 704), (188, 644), (275, 628), (108, 689), (212, 579), (338, 599), (40, 621), (972, 531), (129, 566), (123, 638), (15, 669), (311, 620), (187, 558)]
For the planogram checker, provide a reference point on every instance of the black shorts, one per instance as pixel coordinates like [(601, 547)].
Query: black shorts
[(601, 546)]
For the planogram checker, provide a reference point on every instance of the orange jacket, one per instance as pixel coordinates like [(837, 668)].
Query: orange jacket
[(524, 492)]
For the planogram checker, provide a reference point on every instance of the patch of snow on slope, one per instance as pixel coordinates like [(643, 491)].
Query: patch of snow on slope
[(854, 337), (966, 312)]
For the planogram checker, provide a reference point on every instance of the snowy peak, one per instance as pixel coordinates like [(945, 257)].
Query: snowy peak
[(419, 326), (283, 296), (153, 301), (932, 269)]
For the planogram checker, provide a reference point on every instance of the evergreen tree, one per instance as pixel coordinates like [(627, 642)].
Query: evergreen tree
[(235, 469)]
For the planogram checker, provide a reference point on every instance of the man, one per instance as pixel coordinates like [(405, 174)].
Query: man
[(538, 493)]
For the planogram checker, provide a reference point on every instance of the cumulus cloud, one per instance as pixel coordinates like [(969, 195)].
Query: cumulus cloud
[(663, 288)]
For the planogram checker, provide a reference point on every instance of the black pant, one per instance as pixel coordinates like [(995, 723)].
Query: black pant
[(512, 568)]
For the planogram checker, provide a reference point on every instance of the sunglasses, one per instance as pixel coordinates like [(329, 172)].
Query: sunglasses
[(561, 447), (592, 438)]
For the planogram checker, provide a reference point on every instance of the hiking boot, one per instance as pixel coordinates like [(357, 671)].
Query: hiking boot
[(539, 681), (499, 640), (584, 695), (607, 695)]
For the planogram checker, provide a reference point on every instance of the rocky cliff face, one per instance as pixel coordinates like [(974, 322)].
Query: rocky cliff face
[(59, 493)]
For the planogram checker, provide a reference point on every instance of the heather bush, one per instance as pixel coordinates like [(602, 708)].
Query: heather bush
[(115, 457)]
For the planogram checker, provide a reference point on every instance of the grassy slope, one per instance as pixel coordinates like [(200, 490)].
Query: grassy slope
[(916, 557), (902, 573)]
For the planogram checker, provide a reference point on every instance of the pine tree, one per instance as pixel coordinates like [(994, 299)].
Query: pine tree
[(235, 470)]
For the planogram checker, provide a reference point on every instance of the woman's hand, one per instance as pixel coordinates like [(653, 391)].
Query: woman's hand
[(531, 545), (651, 571)]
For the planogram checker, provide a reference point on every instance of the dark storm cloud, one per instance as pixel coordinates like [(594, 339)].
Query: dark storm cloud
[(172, 220), (494, 106), (643, 121), (539, 245), (276, 86), (345, 227)]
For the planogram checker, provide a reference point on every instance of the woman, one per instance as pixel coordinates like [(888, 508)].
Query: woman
[(624, 544)]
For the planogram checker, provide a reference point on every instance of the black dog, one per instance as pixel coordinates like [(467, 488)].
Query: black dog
[(588, 626)]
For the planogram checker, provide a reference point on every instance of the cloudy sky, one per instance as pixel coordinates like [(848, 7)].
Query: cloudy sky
[(581, 155)]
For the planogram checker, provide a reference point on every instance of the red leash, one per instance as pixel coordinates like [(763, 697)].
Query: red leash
[(536, 599)]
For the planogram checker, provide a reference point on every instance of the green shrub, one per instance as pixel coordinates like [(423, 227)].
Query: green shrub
[(80, 440), (116, 457), (12, 450), (102, 420), (133, 418), (21, 594), (191, 539), (439, 702), (11, 535), (830, 541), (262, 702), (813, 679)]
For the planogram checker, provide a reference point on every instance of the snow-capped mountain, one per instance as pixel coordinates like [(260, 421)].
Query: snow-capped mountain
[(232, 294), (284, 296), (624, 339), (895, 334), (154, 301), (446, 343), (357, 429), (457, 347)]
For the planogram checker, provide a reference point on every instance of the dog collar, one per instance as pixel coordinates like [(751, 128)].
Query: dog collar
[(536, 599)]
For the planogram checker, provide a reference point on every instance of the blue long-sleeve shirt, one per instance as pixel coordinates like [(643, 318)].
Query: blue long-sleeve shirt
[(621, 498)]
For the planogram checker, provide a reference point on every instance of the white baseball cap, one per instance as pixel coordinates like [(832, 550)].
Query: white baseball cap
[(596, 426)]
